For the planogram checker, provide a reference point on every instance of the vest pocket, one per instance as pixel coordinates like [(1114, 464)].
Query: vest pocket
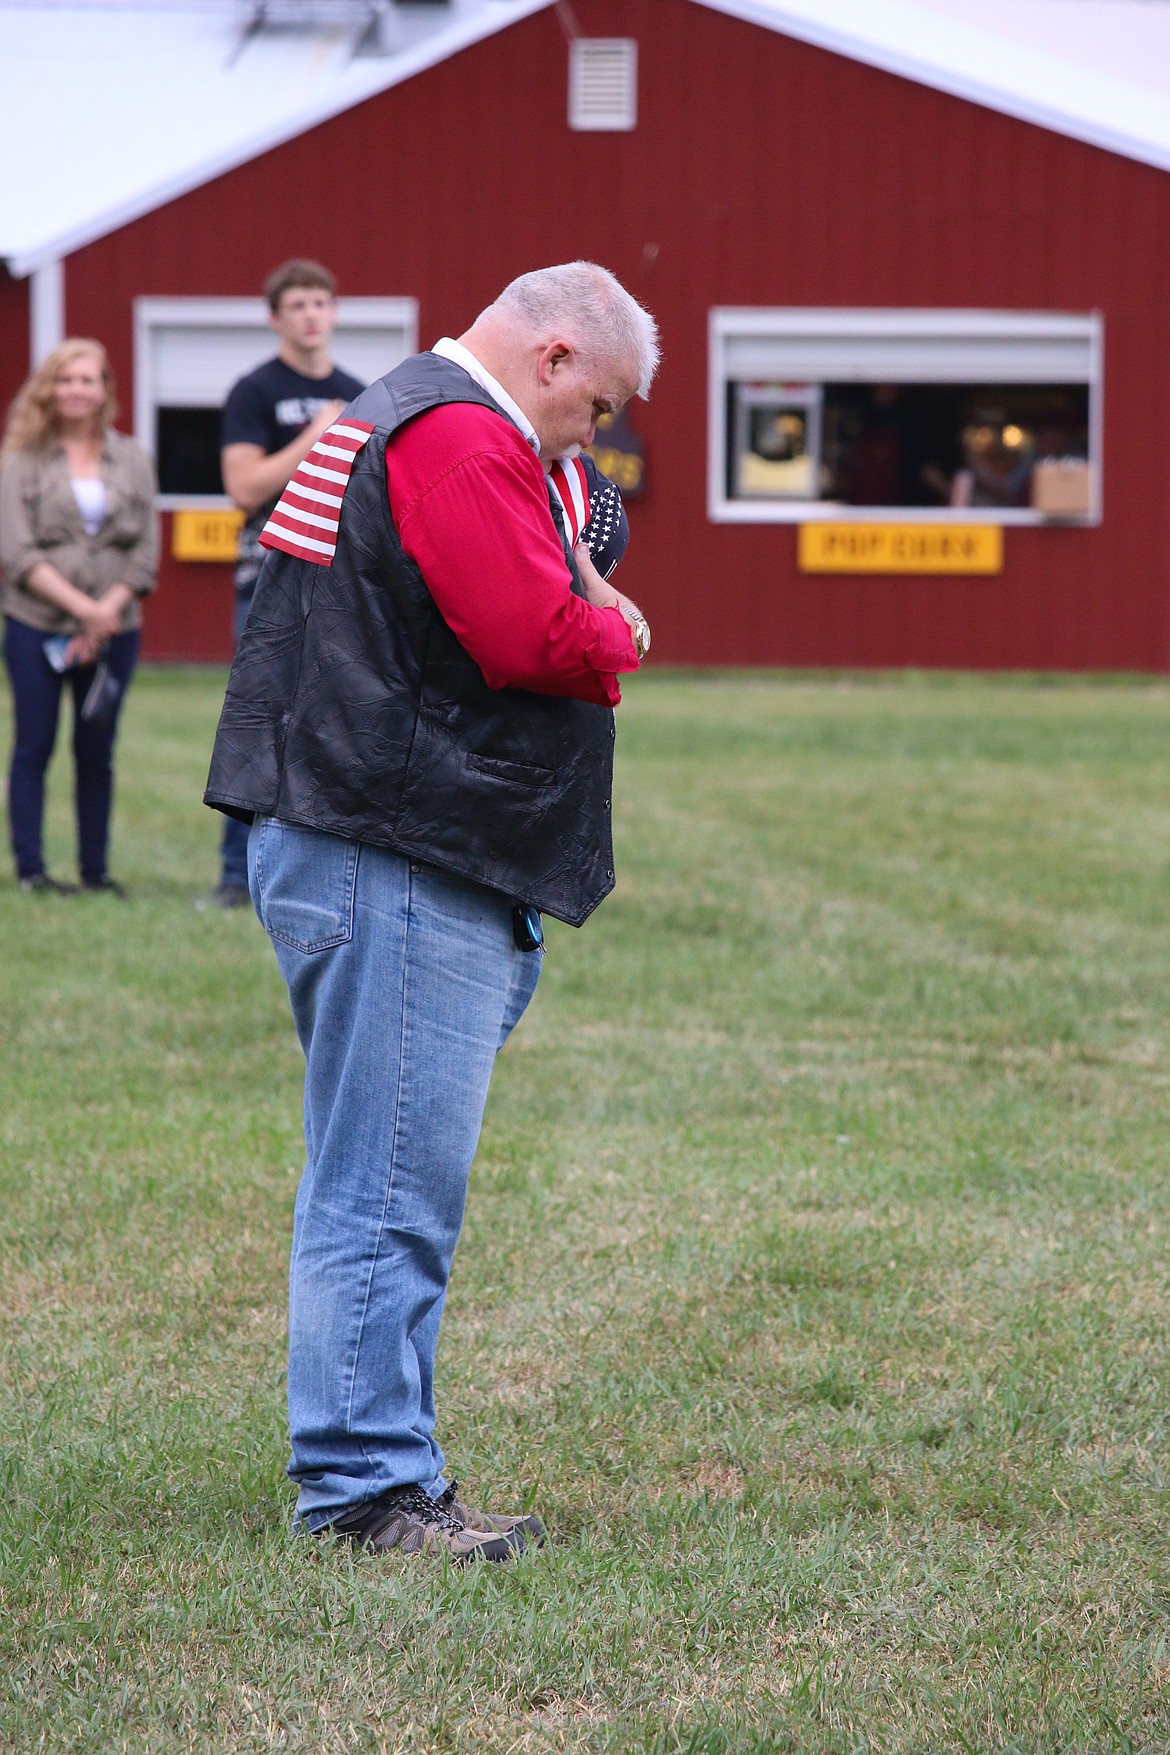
[(516, 773), (306, 881)]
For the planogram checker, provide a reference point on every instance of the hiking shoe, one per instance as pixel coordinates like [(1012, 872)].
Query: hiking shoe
[(224, 896), (504, 1523), (408, 1518), (104, 886), (41, 884)]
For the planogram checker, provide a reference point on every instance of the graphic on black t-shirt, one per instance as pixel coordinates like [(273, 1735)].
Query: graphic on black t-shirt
[(269, 407)]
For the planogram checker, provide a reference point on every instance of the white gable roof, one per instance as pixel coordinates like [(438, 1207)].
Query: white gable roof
[(147, 103), (1098, 70), (108, 111)]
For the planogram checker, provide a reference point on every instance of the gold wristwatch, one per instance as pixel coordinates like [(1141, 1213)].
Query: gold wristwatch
[(640, 628)]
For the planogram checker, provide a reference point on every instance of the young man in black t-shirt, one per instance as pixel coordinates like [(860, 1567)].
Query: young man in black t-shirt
[(271, 420)]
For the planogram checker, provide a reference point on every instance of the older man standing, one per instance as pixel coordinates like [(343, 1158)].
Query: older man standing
[(419, 725)]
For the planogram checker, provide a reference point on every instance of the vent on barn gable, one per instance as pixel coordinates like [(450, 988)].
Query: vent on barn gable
[(603, 83)]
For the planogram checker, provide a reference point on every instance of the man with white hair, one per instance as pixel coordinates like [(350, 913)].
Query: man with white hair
[(419, 728)]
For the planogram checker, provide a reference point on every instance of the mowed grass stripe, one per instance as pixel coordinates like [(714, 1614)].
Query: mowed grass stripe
[(814, 1282)]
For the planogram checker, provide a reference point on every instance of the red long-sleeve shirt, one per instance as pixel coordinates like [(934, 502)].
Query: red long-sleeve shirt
[(470, 504)]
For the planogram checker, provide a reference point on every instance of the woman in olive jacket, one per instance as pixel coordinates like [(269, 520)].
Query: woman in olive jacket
[(78, 550)]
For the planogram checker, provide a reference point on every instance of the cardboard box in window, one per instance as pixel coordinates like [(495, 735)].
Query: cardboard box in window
[(1062, 487)]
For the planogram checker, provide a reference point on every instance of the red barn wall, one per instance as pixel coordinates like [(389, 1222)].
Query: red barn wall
[(800, 178), (14, 337)]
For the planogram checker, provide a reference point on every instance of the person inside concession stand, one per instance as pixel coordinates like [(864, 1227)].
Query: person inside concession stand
[(78, 551)]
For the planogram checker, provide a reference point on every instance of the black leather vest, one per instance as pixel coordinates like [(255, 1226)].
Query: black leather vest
[(351, 706)]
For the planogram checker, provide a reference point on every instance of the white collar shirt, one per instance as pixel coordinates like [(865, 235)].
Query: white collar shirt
[(460, 356)]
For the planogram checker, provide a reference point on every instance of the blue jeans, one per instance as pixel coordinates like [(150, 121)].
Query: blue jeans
[(404, 984), (36, 700), (233, 848)]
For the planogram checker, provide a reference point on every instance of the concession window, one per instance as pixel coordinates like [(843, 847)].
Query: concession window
[(948, 415)]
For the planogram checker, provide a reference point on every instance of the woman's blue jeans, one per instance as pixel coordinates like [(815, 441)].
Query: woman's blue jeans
[(36, 699), (404, 984)]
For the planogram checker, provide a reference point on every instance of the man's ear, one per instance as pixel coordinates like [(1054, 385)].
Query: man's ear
[(552, 357)]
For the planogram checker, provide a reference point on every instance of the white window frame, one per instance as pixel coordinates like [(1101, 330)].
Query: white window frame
[(935, 333), (151, 315)]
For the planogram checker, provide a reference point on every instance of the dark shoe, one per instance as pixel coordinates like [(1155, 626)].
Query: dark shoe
[(232, 896), (408, 1518), (41, 884), (505, 1523), (104, 885)]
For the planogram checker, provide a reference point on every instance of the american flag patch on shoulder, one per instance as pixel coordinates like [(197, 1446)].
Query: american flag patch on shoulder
[(305, 519)]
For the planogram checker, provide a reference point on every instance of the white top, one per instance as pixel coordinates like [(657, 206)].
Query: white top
[(91, 502), (455, 350)]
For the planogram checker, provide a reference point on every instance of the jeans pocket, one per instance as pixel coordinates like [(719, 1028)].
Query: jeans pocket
[(305, 882)]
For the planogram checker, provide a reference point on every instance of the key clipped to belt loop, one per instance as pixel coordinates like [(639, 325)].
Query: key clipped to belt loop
[(527, 930)]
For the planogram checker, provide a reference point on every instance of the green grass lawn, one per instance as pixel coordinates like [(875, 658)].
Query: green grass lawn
[(815, 1278)]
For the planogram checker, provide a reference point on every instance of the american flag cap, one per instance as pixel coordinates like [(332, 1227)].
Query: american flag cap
[(593, 510)]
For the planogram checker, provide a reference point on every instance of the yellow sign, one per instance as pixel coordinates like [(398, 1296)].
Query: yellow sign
[(900, 548), (624, 467), (617, 452), (201, 535)]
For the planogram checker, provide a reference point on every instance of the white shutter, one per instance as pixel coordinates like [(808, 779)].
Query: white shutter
[(603, 83), (907, 347)]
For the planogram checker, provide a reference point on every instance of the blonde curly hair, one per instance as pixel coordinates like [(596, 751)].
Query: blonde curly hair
[(32, 421)]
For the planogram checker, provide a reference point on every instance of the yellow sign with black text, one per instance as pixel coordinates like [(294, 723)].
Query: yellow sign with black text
[(206, 535), (899, 548)]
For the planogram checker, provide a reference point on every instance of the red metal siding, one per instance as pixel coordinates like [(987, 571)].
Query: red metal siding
[(14, 337), (764, 172)]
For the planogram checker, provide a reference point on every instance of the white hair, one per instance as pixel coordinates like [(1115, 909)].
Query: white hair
[(593, 307)]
